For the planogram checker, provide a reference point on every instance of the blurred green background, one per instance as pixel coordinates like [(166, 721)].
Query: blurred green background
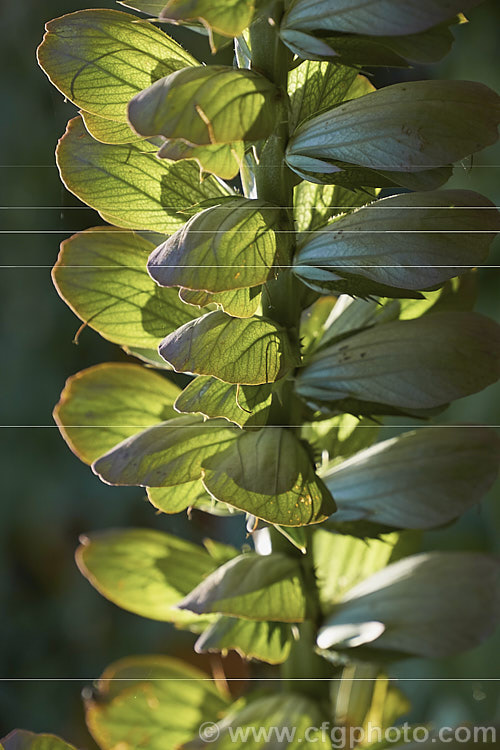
[(53, 624)]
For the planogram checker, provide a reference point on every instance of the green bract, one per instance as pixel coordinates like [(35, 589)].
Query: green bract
[(248, 352), (206, 106), (298, 311), (232, 246), (268, 588)]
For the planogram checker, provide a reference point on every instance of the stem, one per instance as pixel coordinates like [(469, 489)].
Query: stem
[(304, 669)]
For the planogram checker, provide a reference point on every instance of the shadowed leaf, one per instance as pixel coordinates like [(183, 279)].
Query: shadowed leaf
[(431, 605), (418, 480), (409, 364), (269, 475)]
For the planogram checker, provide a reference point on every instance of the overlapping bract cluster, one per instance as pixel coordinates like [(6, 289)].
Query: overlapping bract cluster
[(181, 280)]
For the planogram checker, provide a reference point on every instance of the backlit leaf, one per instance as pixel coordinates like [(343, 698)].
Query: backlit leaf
[(101, 274), (166, 454), (240, 303), (409, 364), (127, 184), (108, 131), (206, 105), (19, 739), (222, 248), (101, 406), (226, 17), (409, 242), (99, 59), (246, 404), (418, 480), (431, 605), (177, 498), (144, 571), (153, 702), (265, 641), (290, 716), (269, 474), (250, 351), (253, 587), (223, 159)]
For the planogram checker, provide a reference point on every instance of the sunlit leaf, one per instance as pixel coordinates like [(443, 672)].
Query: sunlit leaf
[(166, 454), (153, 702), (250, 351), (254, 587), (246, 404), (315, 204), (144, 571), (341, 436), (407, 242), (269, 474), (127, 184), (265, 641), (101, 274), (316, 86), (401, 132), (432, 605), (222, 248), (409, 364), (99, 59), (340, 562), (101, 406), (206, 105), (418, 480)]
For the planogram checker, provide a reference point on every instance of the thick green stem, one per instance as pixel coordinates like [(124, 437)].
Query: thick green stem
[(303, 670)]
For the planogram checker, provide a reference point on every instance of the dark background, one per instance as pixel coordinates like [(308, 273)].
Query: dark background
[(53, 625)]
